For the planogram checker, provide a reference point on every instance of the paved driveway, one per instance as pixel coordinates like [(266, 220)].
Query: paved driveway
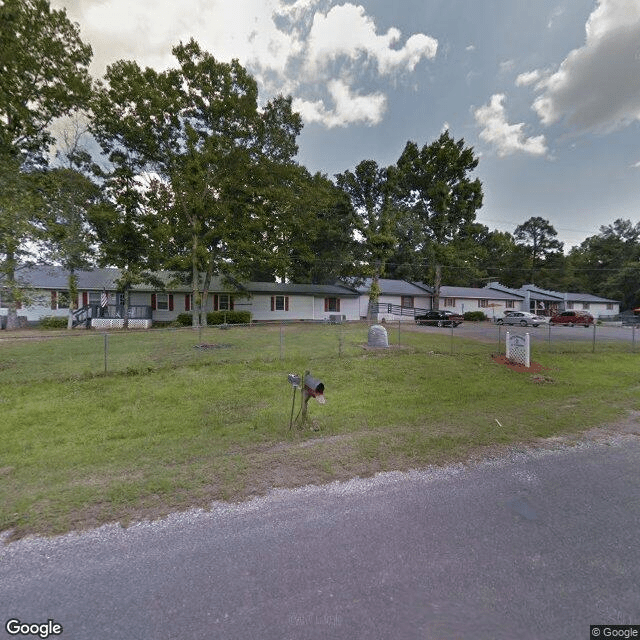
[(490, 332), (535, 544)]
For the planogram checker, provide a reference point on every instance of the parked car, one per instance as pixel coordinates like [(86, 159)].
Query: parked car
[(441, 318), (572, 318), (523, 318)]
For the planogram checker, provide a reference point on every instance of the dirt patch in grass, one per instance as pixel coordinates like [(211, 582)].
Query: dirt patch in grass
[(534, 367)]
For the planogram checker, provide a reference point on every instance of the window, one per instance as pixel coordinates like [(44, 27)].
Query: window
[(279, 303), (59, 300), (510, 304), (483, 303), (585, 305), (609, 306), (162, 302), (332, 304), (449, 302), (407, 301), (569, 305), (94, 297)]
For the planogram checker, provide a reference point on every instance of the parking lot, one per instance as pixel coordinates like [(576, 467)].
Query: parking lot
[(491, 332)]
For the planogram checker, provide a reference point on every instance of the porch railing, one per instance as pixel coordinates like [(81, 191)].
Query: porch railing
[(112, 311)]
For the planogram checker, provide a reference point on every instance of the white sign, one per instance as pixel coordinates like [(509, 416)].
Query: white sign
[(519, 348)]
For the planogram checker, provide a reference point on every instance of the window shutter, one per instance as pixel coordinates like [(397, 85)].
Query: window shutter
[(273, 303), (216, 302), (286, 303), (187, 302), (154, 302), (54, 300), (171, 302), (338, 304), (85, 298), (326, 304), (230, 303)]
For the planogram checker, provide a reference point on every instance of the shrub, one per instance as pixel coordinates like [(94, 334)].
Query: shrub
[(184, 319), (53, 322), (475, 316), (228, 317)]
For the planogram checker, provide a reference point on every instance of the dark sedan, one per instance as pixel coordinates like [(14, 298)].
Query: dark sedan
[(442, 318)]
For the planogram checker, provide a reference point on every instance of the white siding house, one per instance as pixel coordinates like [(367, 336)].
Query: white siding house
[(398, 300), (492, 303)]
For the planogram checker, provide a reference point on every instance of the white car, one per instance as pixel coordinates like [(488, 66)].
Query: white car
[(522, 318)]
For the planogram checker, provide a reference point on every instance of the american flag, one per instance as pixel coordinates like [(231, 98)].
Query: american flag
[(103, 299)]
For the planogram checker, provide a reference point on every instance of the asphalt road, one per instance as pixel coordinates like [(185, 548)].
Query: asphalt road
[(534, 544), (490, 332)]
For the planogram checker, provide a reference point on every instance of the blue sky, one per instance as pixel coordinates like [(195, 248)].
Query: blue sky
[(547, 92)]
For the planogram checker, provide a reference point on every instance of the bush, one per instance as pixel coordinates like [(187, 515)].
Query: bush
[(475, 316), (216, 317), (184, 319), (53, 322), (228, 317)]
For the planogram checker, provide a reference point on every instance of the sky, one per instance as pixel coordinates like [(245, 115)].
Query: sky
[(547, 92)]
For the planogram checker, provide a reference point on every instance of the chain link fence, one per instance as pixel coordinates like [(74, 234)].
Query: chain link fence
[(34, 355)]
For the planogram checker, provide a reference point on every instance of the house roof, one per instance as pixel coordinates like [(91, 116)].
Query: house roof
[(534, 293), (52, 277), (394, 287), (477, 293), (586, 297)]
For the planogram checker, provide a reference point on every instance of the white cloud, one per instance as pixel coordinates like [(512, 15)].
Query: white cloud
[(506, 138), (597, 87), (530, 77), (297, 47), (347, 31), (349, 107)]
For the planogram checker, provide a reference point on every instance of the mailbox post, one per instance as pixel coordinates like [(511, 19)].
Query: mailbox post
[(311, 387)]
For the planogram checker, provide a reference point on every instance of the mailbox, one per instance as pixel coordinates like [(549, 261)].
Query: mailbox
[(313, 386)]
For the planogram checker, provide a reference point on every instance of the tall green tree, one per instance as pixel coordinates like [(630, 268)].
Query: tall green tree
[(43, 75), (316, 232), (437, 200), (369, 188), (218, 160), (66, 223), (607, 264), (541, 247)]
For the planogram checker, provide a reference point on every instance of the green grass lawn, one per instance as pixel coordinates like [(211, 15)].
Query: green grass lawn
[(171, 426)]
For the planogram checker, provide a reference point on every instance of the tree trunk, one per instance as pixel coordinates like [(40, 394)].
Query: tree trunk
[(436, 288), (73, 297), (127, 294), (205, 292), (12, 287), (195, 284)]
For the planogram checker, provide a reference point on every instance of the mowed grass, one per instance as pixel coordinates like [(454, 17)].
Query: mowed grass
[(171, 426)]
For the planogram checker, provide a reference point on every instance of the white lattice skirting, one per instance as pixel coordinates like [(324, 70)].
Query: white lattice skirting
[(118, 323)]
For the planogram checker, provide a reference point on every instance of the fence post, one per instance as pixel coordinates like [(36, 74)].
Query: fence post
[(281, 341), (106, 350), (593, 349)]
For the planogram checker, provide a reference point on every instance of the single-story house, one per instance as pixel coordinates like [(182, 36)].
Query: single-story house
[(48, 295), (493, 303), (398, 300), (103, 303), (546, 303)]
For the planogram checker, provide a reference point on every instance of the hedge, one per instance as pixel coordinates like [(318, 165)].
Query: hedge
[(54, 322), (475, 316), (217, 317)]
